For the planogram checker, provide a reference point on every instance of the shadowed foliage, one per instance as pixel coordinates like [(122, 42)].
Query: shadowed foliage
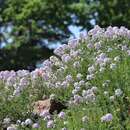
[(36, 22)]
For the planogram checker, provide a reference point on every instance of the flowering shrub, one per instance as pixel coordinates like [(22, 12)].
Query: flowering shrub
[(90, 74)]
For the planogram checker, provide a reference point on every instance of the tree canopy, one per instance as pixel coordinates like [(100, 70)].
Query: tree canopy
[(34, 23)]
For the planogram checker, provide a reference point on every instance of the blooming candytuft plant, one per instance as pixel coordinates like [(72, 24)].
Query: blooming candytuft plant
[(89, 75)]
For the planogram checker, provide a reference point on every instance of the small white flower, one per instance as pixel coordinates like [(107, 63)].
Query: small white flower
[(28, 122), (23, 124), (52, 96), (107, 118), (48, 117), (61, 115), (50, 124), (84, 119), (118, 92), (66, 58), (109, 49), (69, 78), (91, 69), (76, 84), (117, 58), (128, 52), (11, 128), (90, 46), (35, 125), (81, 83), (79, 76), (90, 77), (97, 45), (94, 89), (102, 69), (44, 113), (64, 128), (82, 129), (107, 60), (74, 91), (106, 93), (77, 88), (6, 120), (113, 66), (124, 48), (112, 98), (78, 99), (90, 97), (76, 64), (18, 122)]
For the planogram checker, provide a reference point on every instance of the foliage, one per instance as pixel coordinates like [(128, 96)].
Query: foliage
[(113, 12), (37, 21)]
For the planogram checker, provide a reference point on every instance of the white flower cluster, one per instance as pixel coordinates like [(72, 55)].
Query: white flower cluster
[(83, 70)]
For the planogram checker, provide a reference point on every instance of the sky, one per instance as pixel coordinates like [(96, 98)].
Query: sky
[(74, 29)]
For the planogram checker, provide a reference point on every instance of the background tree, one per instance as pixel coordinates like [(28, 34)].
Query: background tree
[(33, 23), (36, 23), (113, 12)]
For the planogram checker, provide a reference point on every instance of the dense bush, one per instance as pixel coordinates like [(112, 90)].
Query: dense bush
[(90, 74)]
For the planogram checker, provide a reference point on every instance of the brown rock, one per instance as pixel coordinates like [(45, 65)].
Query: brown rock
[(41, 105), (48, 104)]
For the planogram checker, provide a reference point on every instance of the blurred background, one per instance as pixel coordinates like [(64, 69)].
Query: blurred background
[(31, 29)]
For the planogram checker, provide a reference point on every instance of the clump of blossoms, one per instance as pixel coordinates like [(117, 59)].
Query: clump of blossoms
[(85, 73), (107, 118)]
